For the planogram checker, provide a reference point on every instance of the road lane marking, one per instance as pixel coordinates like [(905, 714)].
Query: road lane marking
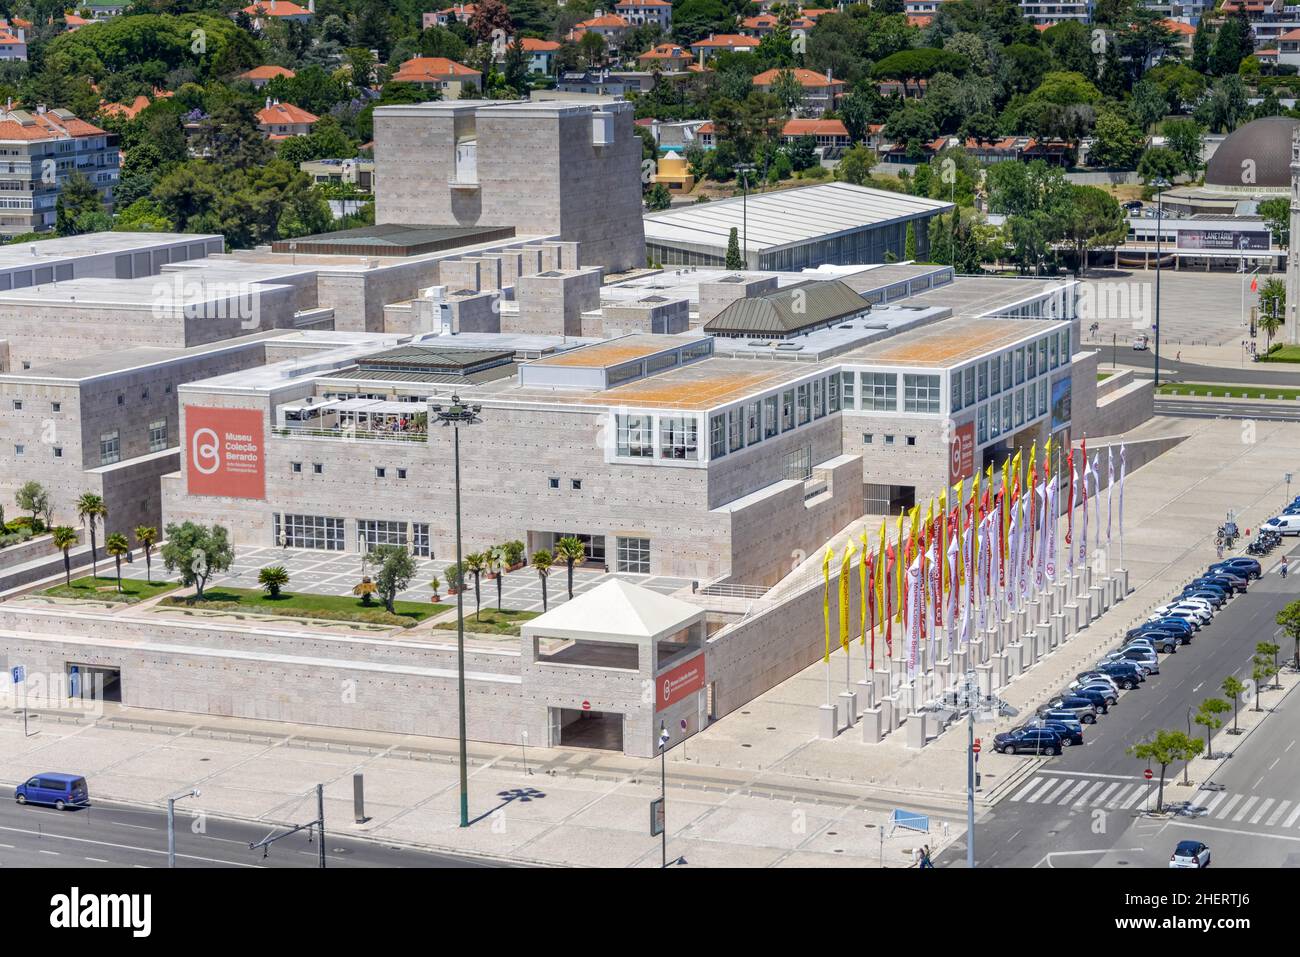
[(1026, 789), (1091, 791), (1263, 809), (1106, 793), (125, 847), (51, 853), (1274, 764), (97, 860), (1091, 774), (1139, 792), (1250, 802), (142, 827), (1073, 793), (1276, 815), (1051, 783), (1289, 746), (1294, 814), (1215, 803), (1229, 806)]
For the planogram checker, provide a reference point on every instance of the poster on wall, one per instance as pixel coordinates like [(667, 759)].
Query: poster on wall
[(225, 452), (675, 684), (1060, 402), (961, 454)]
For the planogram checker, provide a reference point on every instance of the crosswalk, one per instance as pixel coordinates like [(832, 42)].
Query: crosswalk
[(1119, 793)]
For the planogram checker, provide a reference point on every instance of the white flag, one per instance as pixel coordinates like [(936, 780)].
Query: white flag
[(1051, 530), (1123, 467), (1094, 494), (1040, 559), (951, 614), (966, 547), (1013, 557), (1110, 486), (1026, 531), (914, 613)]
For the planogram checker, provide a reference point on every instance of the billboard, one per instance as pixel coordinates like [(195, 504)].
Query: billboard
[(1060, 402), (225, 452), (676, 683), (1228, 240), (961, 454)]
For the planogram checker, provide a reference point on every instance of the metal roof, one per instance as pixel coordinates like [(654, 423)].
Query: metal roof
[(784, 312), (416, 358), (788, 217), (392, 239)]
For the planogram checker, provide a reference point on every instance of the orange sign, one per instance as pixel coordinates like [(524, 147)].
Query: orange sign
[(676, 684), (225, 452), (961, 454)]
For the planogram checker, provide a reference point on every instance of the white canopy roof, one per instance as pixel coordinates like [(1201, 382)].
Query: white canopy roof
[(616, 611)]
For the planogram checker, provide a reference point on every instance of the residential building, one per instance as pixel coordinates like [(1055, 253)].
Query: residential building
[(282, 11), (666, 58), (541, 54), (13, 43), (675, 173), (439, 73), (821, 93), (716, 43), (829, 134), (105, 9), (643, 12), (610, 26), (282, 120), (38, 152), (1044, 13), (259, 76), (357, 172), (460, 12)]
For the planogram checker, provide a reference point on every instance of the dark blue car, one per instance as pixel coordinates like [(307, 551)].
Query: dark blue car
[(1234, 584), (1212, 595), (1125, 673), (1028, 741), (51, 787), (1240, 565)]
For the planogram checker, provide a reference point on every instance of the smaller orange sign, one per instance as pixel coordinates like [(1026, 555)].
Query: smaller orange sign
[(961, 454), (678, 682), (225, 452)]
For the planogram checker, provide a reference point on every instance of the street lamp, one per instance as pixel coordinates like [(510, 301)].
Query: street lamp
[(743, 170), (981, 708), (456, 415), (1160, 184), (171, 823)]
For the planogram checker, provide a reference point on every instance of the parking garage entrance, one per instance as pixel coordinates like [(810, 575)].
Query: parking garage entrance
[(579, 728), (94, 682)]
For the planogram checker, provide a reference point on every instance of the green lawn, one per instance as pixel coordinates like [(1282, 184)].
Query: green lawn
[(1229, 391), (1104, 375), (104, 588), (304, 605), (492, 622), (1282, 354)]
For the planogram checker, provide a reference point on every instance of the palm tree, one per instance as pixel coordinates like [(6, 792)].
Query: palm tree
[(475, 563), (91, 508), (498, 553), (364, 589), (542, 561), (147, 536), (117, 546), (434, 583), (570, 550), (64, 539), (272, 578)]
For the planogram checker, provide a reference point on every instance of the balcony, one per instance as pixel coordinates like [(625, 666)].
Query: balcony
[(350, 435)]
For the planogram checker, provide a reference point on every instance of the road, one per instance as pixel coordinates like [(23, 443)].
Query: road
[(110, 834), (1171, 370), (1276, 411), (1082, 809)]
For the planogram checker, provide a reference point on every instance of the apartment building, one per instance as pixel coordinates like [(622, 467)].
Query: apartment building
[(39, 150)]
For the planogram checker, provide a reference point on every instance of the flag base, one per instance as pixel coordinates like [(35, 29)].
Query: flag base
[(848, 706), (827, 721)]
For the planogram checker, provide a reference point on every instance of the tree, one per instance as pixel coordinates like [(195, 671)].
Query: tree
[(542, 562), (1092, 220), (1262, 670), (515, 67), (272, 578), (32, 497), (855, 165), (1289, 620), (734, 260), (116, 545), (788, 90), (91, 508), (1149, 104), (396, 569), (1232, 43), (497, 562), (909, 242), (1184, 138), (1208, 717), (1272, 305), (1202, 42), (147, 537), (1270, 651), (1159, 162), (658, 198), (78, 208), (1164, 749), (488, 17), (1118, 143), (570, 550), (64, 539), (1224, 106), (1277, 215), (364, 589), (196, 551), (475, 562), (1234, 689)]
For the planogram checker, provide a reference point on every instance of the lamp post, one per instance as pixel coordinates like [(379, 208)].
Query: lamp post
[(743, 170), (979, 708), (456, 415), (171, 823), (1160, 185)]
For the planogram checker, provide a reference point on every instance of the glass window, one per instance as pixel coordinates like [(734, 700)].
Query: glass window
[(955, 392), (1020, 407), (158, 435), (420, 546), (921, 393), (787, 410), (717, 436), (374, 533), (968, 390), (310, 531), (995, 420), (880, 391), (801, 403), (1031, 366), (833, 394), (995, 376), (1065, 345), (982, 381), (1051, 351), (818, 399), (848, 387), (753, 422), (982, 424), (1019, 356), (110, 448), (1042, 397), (1042, 356), (1006, 412), (735, 432), (1007, 380), (635, 436), (633, 555), (771, 421), (677, 438)]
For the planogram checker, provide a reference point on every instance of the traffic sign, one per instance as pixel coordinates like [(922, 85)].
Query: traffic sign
[(976, 747), (1147, 774), (19, 673), (586, 706)]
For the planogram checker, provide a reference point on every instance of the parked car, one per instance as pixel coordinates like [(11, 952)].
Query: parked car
[(1105, 689), (1236, 584), (1240, 565), (1284, 524), (1193, 616), (1141, 657), (1031, 740), (1057, 714), (1215, 597), (1126, 674), (1222, 584), (52, 787), (1156, 641), (1100, 700), (1070, 732), (1084, 710), (1190, 854), (1088, 677), (1162, 629)]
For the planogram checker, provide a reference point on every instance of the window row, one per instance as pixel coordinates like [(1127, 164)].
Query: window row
[(1003, 373), (878, 392), (771, 415), (1011, 411)]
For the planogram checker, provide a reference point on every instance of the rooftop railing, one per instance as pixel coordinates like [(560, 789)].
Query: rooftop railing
[(350, 435)]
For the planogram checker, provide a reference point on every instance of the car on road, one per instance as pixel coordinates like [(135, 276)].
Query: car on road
[(1239, 565), (1140, 343), (1070, 732), (1107, 693), (1089, 677), (1067, 718), (1031, 740), (1084, 710), (1288, 523), (1234, 583), (1190, 854), (1215, 597), (1178, 627), (1125, 673), (1155, 640), (1142, 657), (53, 788)]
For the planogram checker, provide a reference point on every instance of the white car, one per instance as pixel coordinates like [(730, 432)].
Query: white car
[(1190, 854), (1190, 613), (1098, 678), (1197, 602)]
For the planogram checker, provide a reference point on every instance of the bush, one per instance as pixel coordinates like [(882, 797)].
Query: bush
[(515, 551), (454, 576)]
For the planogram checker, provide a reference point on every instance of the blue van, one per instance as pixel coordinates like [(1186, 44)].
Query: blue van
[(61, 790)]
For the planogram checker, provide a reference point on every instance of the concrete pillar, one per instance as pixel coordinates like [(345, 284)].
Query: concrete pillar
[(977, 651), (916, 729), (1121, 578), (1022, 621), (1059, 634), (961, 661), (872, 726), (1015, 659), (889, 713), (1097, 602), (1031, 649), (827, 722), (867, 693), (1000, 671), (985, 676), (848, 706)]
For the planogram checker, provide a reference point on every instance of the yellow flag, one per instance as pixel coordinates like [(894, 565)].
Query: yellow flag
[(988, 481), (846, 573), (1047, 457), (974, 513), (862, 587), (1033, 454), (826, 601), (1006, 509), (897, 583), (943, 540), (1017, 471), (880, 583)]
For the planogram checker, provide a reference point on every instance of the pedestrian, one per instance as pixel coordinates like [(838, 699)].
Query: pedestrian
[(925, 857), (1219, 549), (1284, 566), (917, 856), (1179, 356)]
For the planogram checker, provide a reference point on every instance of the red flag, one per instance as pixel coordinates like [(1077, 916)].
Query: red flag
[(1069, 525), (889, 600), (1254, 283), (871, 604)]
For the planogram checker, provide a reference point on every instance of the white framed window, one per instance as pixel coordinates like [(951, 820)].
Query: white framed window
[(633, 555), (717, 436), (771, 418), (110, 448), (635, 436), (753, 422), (801, 404), (158, 435), (879, 391), (787, 410), (374, 532), (310, 531), (848, 388), (735, 430), (921, 393), (677, 438), (420, 544)]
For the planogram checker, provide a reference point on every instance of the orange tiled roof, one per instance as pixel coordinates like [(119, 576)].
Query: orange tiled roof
[(424, 68), (126, 111), (46, 126), (608, 20), (534, 45), (664, 51), (815, 128), (805, 77), (726, 40), (280, 8), (1177, 26), (278, 113), (266, 73)]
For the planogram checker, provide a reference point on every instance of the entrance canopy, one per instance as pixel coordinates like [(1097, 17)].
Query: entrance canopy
[(616, 611)]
